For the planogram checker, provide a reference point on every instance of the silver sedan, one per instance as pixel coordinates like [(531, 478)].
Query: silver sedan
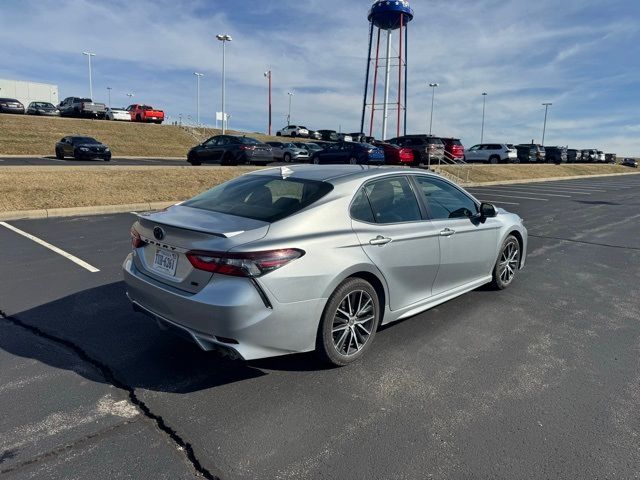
[(304, 258)]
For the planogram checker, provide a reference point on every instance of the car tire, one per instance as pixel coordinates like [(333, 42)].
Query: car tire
[(294, 134), (278, 134), (108, 159), (287, 158), (315, 161), (507, 264), (494, 160), (59, 154), (347, 331), (353, 161)]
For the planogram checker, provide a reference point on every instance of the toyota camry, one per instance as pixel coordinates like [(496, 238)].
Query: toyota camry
[(316, 258)]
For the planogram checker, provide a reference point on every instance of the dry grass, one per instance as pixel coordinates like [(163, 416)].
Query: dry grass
[(495, 173), (26, 188), (30, 135)]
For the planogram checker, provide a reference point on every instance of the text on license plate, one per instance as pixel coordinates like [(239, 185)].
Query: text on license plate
[(165, 262)]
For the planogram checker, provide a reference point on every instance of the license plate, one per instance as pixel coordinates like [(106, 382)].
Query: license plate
[(165, 262)]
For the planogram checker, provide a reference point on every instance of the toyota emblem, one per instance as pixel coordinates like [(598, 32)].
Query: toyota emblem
[(158, 233)]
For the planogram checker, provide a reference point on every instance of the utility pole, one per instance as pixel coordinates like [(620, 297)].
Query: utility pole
[(224, 39), (198, 76), (433, 97), (544, 128), (89, 54), (484, 104), (267, 75)]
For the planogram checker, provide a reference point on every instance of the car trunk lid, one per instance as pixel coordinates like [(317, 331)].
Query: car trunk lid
[(170, 234)]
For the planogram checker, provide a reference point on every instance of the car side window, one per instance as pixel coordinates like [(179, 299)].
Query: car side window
[(210, 142), (361, 209), (444, 201), (392, 200)]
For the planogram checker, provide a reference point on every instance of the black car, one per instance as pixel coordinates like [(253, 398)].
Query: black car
[(573, 155), (82, 148), (42, 108), (11, 105), (231, 150), (328, 135), (630, 162), (349, 152), (556, 155), (427, 149), (531, 153)]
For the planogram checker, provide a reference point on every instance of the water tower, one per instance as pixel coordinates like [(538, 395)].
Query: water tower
[(387, 16)]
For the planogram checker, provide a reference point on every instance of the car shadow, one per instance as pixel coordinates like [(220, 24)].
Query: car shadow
[(100, 323)]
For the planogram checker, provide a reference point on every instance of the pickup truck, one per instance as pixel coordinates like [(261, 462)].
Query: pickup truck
[(81, 107), (145, 113)]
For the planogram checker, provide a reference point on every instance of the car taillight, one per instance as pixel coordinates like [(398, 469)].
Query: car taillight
[(136, 241), (254, 264), (247, 147)]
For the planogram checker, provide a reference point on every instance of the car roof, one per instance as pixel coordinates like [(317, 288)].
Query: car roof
[(337, 173)]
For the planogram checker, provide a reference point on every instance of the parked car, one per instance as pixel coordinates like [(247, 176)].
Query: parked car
[(395, 155), (630, 162), (359, 137), (556, 155), (42, 108), (293, 131), (309, 147), (491, 153), (82, 148), (288, 152), (119, 114), (531, 153), (349, 152), (315, 135), (335, 228), (81, 107), (590, 155), (345, 137), (601, 156), (230, 150), (11, 105), (611, 157), (145, 113), (573, 155), (453, 148), (427, 149), (328, 135)]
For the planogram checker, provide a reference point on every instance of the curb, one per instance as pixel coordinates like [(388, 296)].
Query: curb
[(145, 207), (83, 211)]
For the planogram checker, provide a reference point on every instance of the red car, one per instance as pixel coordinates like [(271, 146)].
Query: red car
[(145, 113), (395, 155), (453, 148)]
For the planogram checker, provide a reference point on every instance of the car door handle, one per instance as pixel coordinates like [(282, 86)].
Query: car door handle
[(447, 232), (379, 240)]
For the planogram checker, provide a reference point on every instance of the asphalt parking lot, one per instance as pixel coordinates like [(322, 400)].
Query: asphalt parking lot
[(539, 381)]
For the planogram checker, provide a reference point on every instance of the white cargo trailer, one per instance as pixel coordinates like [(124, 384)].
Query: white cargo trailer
[(28, 92)]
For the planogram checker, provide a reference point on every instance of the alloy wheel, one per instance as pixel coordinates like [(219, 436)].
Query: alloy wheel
[(508, 263), (353, 323)]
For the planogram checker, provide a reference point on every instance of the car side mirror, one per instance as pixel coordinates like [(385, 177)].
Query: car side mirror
[(487, 210)]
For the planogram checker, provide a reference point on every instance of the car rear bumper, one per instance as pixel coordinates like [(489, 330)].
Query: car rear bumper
[(232, 314), (11, 110)]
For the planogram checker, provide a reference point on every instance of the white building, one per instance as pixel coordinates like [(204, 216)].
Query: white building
[(28, 92)]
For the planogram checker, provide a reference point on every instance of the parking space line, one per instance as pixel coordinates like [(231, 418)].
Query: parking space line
[(521, 198), (500, 202), (520, 191), (53, 248), (565, 190)]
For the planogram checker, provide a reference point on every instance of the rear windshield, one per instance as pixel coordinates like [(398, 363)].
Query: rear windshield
[(261, 197), (456, 143)]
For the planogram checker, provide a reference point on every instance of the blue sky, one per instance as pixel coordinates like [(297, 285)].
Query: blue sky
[(582, 55)]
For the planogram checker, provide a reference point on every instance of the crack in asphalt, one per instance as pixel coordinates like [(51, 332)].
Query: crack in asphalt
[(111, 377), (622, 247)]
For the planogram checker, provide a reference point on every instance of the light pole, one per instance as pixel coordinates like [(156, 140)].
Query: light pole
[(268, 76), (224, 39), (289, 115), (484, 104), (130, 95), (198, 76), (89, 54), (433, 97), (544, 128), (109, 90)]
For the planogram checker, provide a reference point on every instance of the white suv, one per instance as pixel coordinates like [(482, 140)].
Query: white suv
[(491, 153), (293, 131)]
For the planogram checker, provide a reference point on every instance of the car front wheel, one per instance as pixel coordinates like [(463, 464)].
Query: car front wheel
[(349, 323), (59, 154), (508, 263)]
